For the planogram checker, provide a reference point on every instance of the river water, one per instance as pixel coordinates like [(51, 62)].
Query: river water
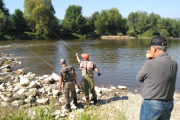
[(118, 60)]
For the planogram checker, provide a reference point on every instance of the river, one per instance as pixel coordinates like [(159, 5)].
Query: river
[(118, 60)]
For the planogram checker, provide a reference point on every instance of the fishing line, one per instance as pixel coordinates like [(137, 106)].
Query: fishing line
[(62, 40), (41, 58)]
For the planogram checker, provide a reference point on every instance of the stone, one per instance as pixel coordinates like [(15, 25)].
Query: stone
[(61, 100), (122, 87), (6, 70), (19, 71), (21, 91), (19, 96), (5, 66), (33, 84), (24, 81), (42, 101), (55, 92), (46, 81), (17, 103), (32, 91), (55, 77), (4, 104)]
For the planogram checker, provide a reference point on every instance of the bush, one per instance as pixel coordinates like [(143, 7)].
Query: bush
[(120, 34), (164, 33), (131, 33)]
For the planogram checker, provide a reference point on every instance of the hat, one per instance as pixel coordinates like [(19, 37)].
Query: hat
[(85, 56), (62, 61), (158, 41)]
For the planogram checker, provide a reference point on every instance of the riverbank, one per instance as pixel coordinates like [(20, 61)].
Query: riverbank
[(115, 37), (29, 91)]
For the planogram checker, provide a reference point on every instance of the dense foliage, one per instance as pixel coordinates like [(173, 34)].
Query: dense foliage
[(38, 21)]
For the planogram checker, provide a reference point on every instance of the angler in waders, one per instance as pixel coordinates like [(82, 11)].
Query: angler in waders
[(87, 68), (68, 79)]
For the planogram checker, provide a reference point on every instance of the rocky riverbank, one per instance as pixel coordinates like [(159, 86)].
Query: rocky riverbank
[(20, 89)]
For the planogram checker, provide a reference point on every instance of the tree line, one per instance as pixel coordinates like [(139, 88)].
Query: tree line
[(38, 20)]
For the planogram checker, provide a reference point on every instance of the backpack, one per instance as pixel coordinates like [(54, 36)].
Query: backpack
[(67, 73)]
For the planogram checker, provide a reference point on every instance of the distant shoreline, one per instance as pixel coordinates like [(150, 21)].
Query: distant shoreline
[(115, 37)]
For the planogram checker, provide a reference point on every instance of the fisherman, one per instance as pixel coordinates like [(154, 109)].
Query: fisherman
[(68, 79), (87, 68), (158, 77)]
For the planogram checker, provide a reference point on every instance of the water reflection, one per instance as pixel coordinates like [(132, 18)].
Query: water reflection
[(118, 60)]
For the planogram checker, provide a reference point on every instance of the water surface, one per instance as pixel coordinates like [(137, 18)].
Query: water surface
[(118, 60)]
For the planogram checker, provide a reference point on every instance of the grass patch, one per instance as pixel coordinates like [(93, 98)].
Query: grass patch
[(29, 113), (101, 113)]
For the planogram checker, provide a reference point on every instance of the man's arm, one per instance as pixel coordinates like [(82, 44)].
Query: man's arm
[(78, 58), (143, 73), (60, 83)]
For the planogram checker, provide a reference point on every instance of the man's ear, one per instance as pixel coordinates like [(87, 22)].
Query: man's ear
[(154, 49)]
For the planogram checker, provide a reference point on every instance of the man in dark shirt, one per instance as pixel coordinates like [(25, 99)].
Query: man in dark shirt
[(68, 79), (158, 77)]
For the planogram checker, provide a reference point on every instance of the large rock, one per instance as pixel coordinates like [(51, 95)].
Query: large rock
[(19, 71), (32, 92), (22, 91), (24, 81), (33, 84), (17, 103), (19, 96), (55, 77)]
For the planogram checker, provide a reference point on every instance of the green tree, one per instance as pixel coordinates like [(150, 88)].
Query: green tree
[(114, 21), (124, 26), (3, 8), (101, 24), (18, 21), (164, 33), (152, 23), (142, 22), (93, 18), (109, 22), (73, 21), (40, 16), (3, 22), (132, 20)]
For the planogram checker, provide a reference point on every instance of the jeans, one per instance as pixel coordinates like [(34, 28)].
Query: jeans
[(156, 110)]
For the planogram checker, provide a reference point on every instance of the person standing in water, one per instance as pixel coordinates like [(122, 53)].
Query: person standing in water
[(88, 67)]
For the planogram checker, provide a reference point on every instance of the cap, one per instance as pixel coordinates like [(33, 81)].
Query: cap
[(62, 61), (85, 56), (158, 41)]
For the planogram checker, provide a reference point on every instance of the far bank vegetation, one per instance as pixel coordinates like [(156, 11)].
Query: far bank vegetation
[(38, 20)]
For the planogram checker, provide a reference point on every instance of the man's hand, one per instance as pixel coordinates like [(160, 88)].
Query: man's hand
[(99, 74), (60, 89), (76, 54), (148, 55)]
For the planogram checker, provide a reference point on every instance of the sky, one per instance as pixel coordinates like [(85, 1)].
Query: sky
[(165, 8)]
